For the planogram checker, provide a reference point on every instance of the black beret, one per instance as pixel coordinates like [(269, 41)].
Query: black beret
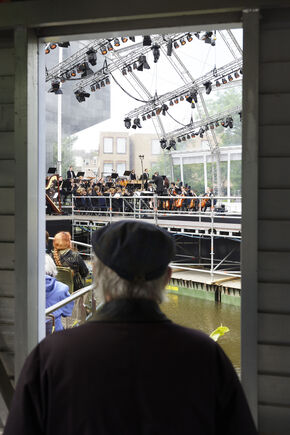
[(134, 250)]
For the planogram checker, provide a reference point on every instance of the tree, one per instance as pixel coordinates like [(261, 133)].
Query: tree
[(67, 153)]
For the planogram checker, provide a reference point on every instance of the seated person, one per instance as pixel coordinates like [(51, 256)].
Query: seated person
[(56, 291)]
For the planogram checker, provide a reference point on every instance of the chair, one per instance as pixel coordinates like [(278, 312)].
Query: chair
[(65, 275)]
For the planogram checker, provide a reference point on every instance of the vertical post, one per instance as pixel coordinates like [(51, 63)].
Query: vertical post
[(181, 169), (249, 253), (205, 172), (29, 197), (110, 207), (59, 121), (211, 243), (229, 177), (155, 202)]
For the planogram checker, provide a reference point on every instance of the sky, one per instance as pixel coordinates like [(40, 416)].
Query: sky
[(198, 58)]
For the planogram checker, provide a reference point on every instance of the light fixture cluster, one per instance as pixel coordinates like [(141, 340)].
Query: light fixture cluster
[(207, 37), (53, 45), (136, 123), (168, 145), (227, 78), (176, 43)]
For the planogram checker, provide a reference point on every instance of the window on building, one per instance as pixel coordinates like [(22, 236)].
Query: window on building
[(108, 168), (108, 144), (155, 146), (121, 168), (121, 145)]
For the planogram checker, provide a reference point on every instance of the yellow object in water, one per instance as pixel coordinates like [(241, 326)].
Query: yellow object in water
[(219, 332)]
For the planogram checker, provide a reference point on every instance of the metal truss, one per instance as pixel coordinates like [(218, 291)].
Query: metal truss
[(208, 121), (183, 91)]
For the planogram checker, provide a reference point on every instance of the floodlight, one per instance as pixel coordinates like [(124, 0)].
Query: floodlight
[(127, 122)]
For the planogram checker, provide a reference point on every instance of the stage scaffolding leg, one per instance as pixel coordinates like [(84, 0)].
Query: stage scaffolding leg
[(212, 245)]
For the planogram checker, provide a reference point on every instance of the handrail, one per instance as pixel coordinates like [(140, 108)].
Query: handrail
[(74, 296)]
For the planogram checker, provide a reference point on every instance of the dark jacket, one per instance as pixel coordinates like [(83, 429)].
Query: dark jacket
[(74, 261), (131, 371)]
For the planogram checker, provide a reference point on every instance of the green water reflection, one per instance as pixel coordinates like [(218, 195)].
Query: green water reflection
[(207, 316)]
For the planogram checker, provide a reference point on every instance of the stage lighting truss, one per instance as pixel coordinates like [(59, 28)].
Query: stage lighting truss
[(187, 92), (198, 128)]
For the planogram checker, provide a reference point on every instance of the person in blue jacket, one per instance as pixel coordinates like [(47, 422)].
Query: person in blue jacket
[(56, 291)]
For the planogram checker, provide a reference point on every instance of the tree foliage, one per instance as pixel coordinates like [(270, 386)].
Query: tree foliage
[(67, 153)]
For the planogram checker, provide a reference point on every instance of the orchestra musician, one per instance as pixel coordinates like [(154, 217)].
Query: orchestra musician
[(70, 173), (132, 176)]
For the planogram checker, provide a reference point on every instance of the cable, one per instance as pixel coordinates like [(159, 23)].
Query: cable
[(124, 90), (184, 125)]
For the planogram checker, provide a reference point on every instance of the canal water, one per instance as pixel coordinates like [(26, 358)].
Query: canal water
[(207, 316)]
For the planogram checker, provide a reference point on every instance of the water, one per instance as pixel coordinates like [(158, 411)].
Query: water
[(207, 316)]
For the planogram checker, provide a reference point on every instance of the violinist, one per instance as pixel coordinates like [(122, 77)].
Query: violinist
[(207, 201)]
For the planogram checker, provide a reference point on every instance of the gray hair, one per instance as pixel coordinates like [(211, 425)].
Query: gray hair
[(109, 285), (50, 267)]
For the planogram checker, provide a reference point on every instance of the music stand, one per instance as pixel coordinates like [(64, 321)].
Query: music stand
[(80, 174), (114, 175), (51, 170), (127, 173)]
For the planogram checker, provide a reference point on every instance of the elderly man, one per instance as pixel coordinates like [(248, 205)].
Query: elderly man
[(130, 371)]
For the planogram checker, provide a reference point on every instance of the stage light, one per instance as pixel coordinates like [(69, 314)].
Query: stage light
[(218, 83), (187, 136), (179, 139), (110, 47), (116, 42), (194, 96), (176, 101), (47, 50), (182, 41), (124, 71), (172, 144), (206, 37), (163, 143), (148, 116), (102, 84), (241, 71), (223, 123), (107, 80), (98, 86), (217, 124), (206, 127), (93, 89), (197, 35), (183, 138), (230, 122), (132, 38), (129, 68), (158, 111), (156, 52), (201, 132), (85, 70), (143, 118), (124, 39), (81, 95), (147, 40), (192, 135), (230, 78), (192, 105), (171, 103), (169, 48), (92, 57), (208, 87), (224, 81), (164, 109), (134, 65), (104, 50), (236, 75), (182, 98), (127, 122), (176, 45), (211, 125), (55, 87), (142, 63), (189, 37), (68, 75), (153, 113), (73, 73), (62, 79), (64, 44), (52, 45)]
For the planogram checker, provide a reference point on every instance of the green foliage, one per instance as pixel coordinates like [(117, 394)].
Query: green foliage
[(67, 159)]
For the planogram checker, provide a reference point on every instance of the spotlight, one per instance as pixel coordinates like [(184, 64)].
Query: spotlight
[(223, 124), (182, 41), (192, 97), (172, 144), (153, 113), (224, 81), (127, 122), (93, 89), (192, 135), (206, 127), (192, 105), (171, 103), (187, 136), (104, 50), (132, 38), (110, 47), (230, 121), (55, 87), (230, 78), (207, 37), (164, 109), (182, 98), (116, 42), (241, 71), (47, 50), (92, 57), (176, 101), (124, 71), (183, 138), (67, 75), (148, 116), (134, 65), (236, 75), (102, 84), (156, 52), (201, 132), (107, 81), (163, 143), (208, 87), (147, 40), (218, 83), (64, 44), (211, 125), (124, 39), (169, 48), (52, 45), (197, 34), (62, 79), (73, 73), (81, 96), (143, 118), (85, 70), (98, 86), (129, 68), (176, 45), (158, 111), (217, 123), (189, 37), (137, 123), (142, 63), (179, 139)]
